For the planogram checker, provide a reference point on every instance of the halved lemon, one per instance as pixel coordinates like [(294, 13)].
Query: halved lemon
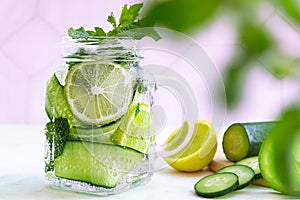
[(198, 152)]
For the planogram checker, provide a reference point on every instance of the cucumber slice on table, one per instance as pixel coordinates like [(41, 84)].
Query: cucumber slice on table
[(245, 174), (216, 185), (243, 140), (251, 162)]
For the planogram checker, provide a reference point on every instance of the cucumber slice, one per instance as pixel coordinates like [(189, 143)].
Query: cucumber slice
[(251, 162), (216, 185), (245, 174), (243, 140), (98, 164), (95, 134)]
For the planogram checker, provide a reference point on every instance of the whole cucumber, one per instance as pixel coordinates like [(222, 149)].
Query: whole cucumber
[(243, 140)]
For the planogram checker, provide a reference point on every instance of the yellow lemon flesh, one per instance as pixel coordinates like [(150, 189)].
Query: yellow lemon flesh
[(198, 152)]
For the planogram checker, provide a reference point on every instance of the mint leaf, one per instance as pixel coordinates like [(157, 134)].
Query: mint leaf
[(140, 29), (137, 32), (150, 32), (57, 133), (111, 19), (78, 33), (128, 26), (146, 22), (128, 16), (135, 9), (98, 32)]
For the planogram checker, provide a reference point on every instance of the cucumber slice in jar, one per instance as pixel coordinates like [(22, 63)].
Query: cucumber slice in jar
[(253, 163), (245, 174), (216, 185)]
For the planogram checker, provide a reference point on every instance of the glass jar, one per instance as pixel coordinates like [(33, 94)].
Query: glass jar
[(98, 103)]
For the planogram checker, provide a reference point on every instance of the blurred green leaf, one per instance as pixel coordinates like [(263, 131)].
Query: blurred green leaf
[(291, 117), (255, 38), (183, 15), (291, 9), (289, 121), (234, 77), (257, 41), (242, 8), (280, 65)]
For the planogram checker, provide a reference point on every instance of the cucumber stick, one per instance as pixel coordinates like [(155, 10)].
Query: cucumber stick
[(99, 164), (243, 140)]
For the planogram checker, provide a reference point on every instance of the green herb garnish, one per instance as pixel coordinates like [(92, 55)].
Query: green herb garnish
[(57, 133), (128, 25)]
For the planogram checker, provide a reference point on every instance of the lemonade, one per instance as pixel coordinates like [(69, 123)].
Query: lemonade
[(98, 137)]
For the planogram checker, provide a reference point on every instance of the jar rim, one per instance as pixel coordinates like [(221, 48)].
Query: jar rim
[(99, 40), (68, 38)]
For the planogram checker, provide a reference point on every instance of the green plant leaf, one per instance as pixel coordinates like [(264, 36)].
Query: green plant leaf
[(97, 33), (255, 38), (111, 19), (79, 33), (183, 15), (234, 78), (138, 32), (128, 21), (129, 15), (291, 9), (280, 65)]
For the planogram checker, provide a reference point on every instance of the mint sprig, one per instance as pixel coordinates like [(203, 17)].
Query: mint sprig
[(128, 25)]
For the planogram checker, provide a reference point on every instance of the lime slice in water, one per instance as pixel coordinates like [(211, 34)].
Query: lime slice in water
[(98, 93), (135, 128)]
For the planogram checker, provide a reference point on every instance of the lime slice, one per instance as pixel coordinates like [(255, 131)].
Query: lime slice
[(199, 150), (98, 164), (135, 128), (98, 93)]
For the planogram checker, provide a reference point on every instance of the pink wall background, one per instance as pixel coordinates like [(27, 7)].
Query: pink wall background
[(31, 33)]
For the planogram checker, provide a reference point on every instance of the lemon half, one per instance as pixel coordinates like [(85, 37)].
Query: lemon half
[(199, 150)]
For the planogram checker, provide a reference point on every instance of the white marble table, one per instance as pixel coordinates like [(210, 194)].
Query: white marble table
[(21, 174)]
